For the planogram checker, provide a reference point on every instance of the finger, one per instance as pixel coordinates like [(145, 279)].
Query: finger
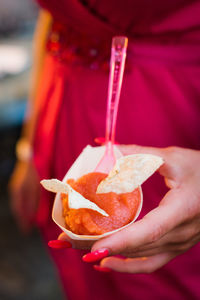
[(76, 244), (148, 230), (162, 152), (24, 226), (172, 247), (100, 140), (182, 234), (64, 237), (146, 253), (167, 170), (134, 149), (17, 204), (13, 203), (32, 201), (179, 239), (178, 242), (18, 207), (22, 220), (137, 265)]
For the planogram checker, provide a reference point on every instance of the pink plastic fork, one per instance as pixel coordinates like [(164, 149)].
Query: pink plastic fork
[(117, 62)]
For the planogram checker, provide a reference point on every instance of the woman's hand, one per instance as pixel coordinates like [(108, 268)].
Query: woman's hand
[(167, 231), (24, 191)]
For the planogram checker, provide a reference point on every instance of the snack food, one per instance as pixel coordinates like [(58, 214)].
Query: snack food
[(74, 199), (142, 166), (120, 208), (130, 172)]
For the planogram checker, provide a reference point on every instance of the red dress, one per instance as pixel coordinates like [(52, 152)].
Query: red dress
[(159, 106)]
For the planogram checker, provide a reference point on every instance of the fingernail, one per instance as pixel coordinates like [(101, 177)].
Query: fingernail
[(101, 269), (95, 256), (100, 140), (56, 244)]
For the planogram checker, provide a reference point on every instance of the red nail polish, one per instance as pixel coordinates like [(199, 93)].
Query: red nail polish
[(101, 269), (100, 140), (96, 255), (56, 244)]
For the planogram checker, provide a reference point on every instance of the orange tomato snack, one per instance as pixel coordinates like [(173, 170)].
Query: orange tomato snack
[(121, 208), (96, 204)]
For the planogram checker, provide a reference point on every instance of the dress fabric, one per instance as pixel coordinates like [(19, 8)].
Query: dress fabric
[(159, 106)]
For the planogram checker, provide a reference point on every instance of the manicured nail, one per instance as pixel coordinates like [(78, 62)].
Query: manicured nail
[(101, 269), (102, 141), (96, 255), (56, 244)]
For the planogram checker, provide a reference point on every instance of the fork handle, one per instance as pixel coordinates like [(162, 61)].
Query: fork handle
[(117, 62)]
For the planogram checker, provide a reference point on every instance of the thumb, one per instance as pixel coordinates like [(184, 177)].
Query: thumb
[(135, 149), (169, 155)]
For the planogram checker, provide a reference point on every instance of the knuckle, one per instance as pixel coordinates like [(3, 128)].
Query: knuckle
[(172, 149), (136, 148), (132, 149), (189, 233), (184, 247), (157, 232), (126, 242), (183, 236), (126, 246), (174, 153)]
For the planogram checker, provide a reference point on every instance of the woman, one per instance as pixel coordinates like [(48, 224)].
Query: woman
[(159, 106)]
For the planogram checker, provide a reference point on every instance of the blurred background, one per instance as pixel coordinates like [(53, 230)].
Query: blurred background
[(26, 272)]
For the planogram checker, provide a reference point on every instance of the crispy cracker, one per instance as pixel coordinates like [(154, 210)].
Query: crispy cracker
[(75, 199), (129, 173)]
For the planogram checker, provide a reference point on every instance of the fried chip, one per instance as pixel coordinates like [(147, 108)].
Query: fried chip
[(129, 172), (75, 199)]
